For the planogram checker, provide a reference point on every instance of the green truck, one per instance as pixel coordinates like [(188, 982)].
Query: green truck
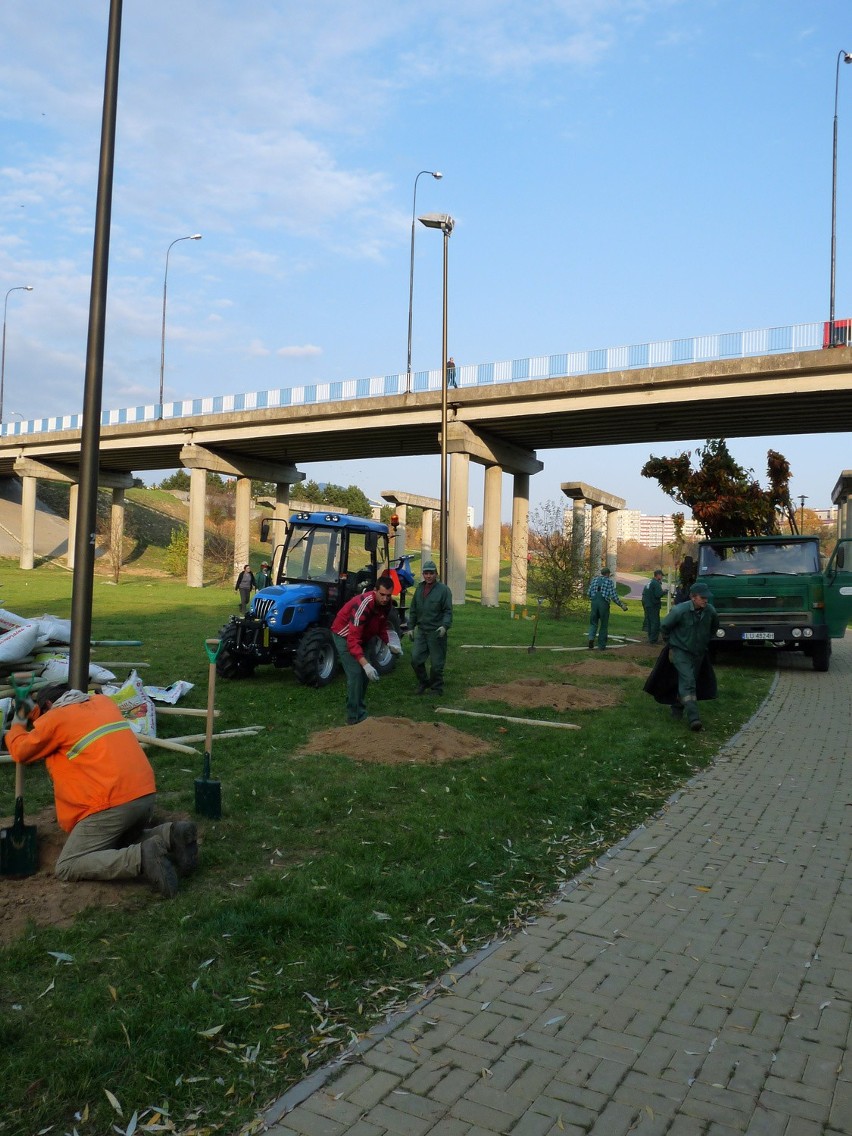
[(772, 591)]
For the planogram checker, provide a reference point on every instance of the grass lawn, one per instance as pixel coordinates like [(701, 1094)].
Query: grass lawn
[(331, 891)]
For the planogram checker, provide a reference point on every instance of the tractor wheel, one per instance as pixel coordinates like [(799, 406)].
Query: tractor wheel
[(315, 659), (821, 655), (229, 664), (380, 656)]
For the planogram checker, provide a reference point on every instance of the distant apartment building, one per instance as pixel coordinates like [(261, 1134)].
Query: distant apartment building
[(652, 530)]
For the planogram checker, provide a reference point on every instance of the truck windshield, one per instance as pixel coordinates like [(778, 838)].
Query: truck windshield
[(779, 558), (312, 555)]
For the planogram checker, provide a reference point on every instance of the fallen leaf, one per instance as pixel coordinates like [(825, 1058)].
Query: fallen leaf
[(114, 1102)]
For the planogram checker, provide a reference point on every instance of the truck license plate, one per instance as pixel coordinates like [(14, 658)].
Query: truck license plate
[(758, 635)]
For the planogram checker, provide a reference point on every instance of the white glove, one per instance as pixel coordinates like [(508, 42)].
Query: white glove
[(371, 672), (394, 650), (442, 631)]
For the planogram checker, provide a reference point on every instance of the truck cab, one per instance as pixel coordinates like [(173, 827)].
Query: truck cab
[(772, 591)]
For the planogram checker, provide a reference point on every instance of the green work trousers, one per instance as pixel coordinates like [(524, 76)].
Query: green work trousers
[(687, 666), (429, 646), (599, 622), (356, 683), (652, 623)]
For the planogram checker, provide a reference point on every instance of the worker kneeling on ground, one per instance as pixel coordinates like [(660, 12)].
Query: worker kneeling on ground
[(104, 790)]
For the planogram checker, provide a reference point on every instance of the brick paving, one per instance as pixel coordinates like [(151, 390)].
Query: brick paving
[(696, 982)]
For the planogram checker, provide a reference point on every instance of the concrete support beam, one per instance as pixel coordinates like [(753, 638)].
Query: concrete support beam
[(490, 451), (578, 535), (520, 539), (397, 497), (491, 536), (579, 491), (197, 509), (193, 456), (399, 535), (70, 474), (426, 536), (242, 522), (457, 526), (28, 512), (73, 502)]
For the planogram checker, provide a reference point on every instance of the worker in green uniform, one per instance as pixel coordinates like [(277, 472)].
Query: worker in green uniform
[(652, 601), (430, 616), (688, 629), (602, 592)]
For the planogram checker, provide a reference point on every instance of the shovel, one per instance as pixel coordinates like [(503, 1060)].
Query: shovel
[(208, 794), (18, 846), (531, 647)]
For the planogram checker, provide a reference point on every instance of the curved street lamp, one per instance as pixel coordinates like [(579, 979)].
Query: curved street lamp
[(17, 288), (445, 223), (194, 237), (437, 175), (846, 58)]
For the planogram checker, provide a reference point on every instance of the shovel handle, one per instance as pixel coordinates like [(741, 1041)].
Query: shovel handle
[(19, 780)]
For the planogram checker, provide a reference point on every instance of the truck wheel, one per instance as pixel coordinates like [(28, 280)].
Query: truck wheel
[(380, 656), (315, 660), (229, 664), (821, 655)]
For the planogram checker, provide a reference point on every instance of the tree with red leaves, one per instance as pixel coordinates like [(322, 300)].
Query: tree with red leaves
[(725, 499)]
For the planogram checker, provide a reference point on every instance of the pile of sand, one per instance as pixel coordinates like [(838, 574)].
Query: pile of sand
[(397, 741)]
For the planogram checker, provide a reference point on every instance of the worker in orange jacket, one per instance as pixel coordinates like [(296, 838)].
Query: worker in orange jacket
[(104, 790)]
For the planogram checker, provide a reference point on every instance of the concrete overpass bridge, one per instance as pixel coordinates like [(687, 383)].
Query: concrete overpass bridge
[(500, 416)]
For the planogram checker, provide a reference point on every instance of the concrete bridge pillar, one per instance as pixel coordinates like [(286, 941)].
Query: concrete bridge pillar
[(520, 539), (426, 535), (242, 522), (399, 535), (596, 542), (28, 511), (197, 509), (456, 553), (116, 526), (611, 539), (73, 501), (491, 536), (578, 535)]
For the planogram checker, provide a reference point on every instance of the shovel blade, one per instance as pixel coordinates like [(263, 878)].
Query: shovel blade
[(19, 846), (208, 794)]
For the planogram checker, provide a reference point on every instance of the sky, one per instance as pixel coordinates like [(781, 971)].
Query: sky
[(619, 171)]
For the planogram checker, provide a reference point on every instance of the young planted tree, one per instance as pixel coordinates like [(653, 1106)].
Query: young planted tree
[(725, 499), (554, 575)]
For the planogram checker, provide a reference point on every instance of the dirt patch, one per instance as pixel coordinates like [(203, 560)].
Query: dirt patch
[(611, 668), (640, 650), (47, 901), (535, 692), (397, 741)]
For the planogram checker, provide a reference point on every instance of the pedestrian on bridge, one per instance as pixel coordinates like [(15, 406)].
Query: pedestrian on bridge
[(602, 592), (451, 373)]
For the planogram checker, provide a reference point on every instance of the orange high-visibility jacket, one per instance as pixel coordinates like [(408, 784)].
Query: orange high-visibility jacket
[(92, 756)]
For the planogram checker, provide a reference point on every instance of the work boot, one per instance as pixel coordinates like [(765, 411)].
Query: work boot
[(677, 711), (183, 845), (158, 869), (591, 644), (422, 687), (695, 725), (434, 689)]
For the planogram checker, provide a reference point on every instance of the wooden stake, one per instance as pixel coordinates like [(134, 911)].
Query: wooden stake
[(506, 718)]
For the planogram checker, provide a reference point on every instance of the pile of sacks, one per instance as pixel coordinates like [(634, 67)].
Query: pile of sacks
[(27, 641)]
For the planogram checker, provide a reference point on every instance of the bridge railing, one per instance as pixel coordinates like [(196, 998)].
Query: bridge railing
[(662, 353)]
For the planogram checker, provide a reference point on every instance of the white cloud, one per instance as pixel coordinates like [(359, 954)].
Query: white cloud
[(304, 352)]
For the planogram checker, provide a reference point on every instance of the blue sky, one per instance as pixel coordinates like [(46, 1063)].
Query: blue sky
[(619, 171)]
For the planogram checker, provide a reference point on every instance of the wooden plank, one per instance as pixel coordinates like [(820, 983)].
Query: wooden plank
[(506, 718)]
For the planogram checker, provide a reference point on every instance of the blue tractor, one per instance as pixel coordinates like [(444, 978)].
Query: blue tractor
[(326, 558)]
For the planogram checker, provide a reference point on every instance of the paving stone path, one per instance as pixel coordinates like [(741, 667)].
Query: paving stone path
[(696, 982)]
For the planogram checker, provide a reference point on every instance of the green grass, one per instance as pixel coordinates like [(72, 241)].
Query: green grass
[(330, 891)]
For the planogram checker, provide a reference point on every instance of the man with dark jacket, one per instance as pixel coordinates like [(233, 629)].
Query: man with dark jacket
[(688, 629), (430, 617), (361, 619), (652, 601)]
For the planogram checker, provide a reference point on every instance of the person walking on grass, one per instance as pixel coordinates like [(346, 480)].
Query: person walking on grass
[(104, 790), (264, 576), (245, 585), (430, 617), (688, 630), (602, 592), (361, 619)]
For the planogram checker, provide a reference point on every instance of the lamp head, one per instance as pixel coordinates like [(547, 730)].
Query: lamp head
[(28, 287), (437, 175), (847, 58), (442, 221), (195, 237)]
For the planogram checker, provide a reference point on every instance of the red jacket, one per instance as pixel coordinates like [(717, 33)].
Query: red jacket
[(92, 756), (358, 621)]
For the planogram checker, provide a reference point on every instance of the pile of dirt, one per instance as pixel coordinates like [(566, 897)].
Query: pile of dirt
[(611, 668), (640, 650), (535, 692), (397, 741), (47, 901)]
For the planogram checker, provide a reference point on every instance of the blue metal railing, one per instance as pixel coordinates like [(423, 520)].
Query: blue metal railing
[(663, 353)]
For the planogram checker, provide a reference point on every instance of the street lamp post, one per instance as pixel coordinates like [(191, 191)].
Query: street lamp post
[(437, 175), (802, 499), (846, 58), (194, 237), (445, 223), (17, 288)]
